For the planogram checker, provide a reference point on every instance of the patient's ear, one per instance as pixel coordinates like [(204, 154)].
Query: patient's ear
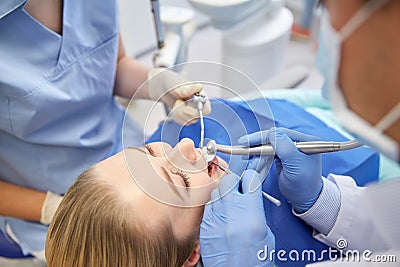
[(194, 257)]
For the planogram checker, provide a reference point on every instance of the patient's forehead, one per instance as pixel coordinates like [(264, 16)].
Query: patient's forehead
[(115, 171), (144, 208), (113, 167)]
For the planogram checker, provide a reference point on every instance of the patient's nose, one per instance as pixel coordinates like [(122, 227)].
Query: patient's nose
[(186, 157), (187, 150)]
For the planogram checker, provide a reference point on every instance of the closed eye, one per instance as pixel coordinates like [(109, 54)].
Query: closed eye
[(150, 150), (185, 177)]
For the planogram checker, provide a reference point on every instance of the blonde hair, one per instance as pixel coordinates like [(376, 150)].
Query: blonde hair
[(93, 228)]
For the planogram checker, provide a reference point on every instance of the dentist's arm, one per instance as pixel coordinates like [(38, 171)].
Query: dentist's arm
[(333, 207), (300, 175)]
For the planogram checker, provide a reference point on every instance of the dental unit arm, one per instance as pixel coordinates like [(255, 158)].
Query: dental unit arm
[(155, 9), (174, 26)]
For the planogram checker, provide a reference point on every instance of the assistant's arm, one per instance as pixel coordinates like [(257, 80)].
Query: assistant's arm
[(164, 84), (20, 202), (130, 75)]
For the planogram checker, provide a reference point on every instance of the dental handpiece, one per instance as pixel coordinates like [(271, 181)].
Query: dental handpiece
[(314, 147), (209, 151)]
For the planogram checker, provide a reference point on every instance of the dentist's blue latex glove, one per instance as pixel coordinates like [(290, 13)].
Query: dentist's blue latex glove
[(300, 175), (234, 230)]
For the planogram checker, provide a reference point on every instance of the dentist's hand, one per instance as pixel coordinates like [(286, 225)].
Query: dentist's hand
[(300, 175), (234, 229), (166, 85)]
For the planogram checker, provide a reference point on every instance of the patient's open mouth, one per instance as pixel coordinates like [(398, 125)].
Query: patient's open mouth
[(212, 168)]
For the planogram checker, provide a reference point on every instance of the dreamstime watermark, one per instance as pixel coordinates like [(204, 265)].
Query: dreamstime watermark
[(332, 254)]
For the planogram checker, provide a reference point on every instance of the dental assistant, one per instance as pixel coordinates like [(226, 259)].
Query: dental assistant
[(61, 64), (360, 44)]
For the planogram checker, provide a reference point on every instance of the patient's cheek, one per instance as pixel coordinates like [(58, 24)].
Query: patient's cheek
[(201, 194)]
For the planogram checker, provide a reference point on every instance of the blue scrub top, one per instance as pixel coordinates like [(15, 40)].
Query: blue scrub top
[(58, 115)]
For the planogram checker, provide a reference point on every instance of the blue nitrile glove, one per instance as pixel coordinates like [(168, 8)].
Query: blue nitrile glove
[(300, 179), (234, 230)]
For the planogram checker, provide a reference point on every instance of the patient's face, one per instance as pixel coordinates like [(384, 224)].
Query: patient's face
[(163, 184)]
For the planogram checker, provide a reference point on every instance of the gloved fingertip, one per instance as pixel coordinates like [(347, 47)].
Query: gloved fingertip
[(257, 138), (249, 173), (250, 181), (197, 87), (243, 140), (298, 136), (273, 135), (188, 90)]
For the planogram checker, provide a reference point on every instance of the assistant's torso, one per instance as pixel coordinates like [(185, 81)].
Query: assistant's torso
[(58, 115)]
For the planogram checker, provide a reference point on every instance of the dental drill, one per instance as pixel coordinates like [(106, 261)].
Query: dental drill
[(314, 147), (209, 151)]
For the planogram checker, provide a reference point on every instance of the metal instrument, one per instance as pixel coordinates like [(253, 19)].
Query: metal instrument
[(209, 151), (273, 200), (313, 147), (155, 9), (198, 100)]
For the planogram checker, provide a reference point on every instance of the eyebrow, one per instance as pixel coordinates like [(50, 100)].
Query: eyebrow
[(166, 174)]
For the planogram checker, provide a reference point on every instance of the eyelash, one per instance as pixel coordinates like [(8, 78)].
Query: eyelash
[(151, 151), (185, 177)]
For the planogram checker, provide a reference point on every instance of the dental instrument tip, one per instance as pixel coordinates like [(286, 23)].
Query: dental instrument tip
[(275, 201), (224, 169)]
